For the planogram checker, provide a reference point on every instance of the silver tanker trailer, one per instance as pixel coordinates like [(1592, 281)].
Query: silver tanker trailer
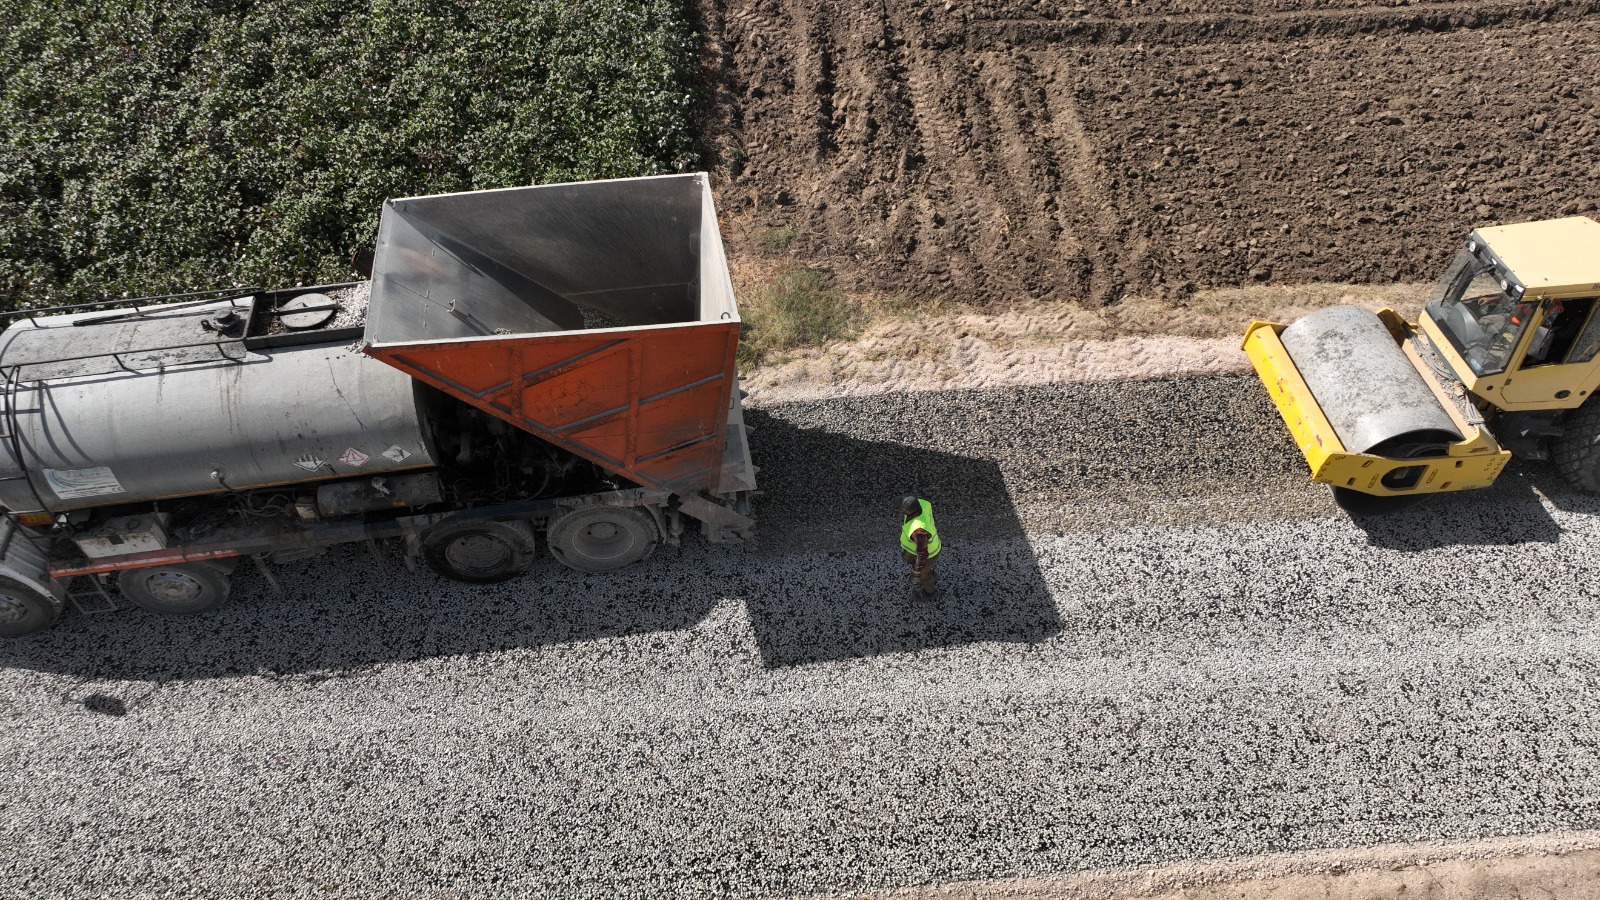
[(535, 366)]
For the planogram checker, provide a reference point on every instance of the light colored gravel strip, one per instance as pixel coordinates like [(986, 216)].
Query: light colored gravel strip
[(1564, 865), (1044, 343), (1106, 683), (881, 365)]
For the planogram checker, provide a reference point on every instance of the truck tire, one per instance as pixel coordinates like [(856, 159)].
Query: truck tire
[(1577, 451), (181, 589), (479, 551), (24, 610), (602, 538)]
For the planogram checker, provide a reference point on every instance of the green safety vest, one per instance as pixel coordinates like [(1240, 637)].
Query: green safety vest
[(924, 521)]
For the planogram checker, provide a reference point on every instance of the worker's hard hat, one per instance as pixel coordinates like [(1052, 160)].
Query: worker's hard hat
[(910, 506)]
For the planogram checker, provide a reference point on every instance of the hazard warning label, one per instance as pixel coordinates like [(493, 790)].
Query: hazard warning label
[(354, 458)]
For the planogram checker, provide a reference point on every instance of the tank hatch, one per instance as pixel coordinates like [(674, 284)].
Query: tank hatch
[(98, 342)]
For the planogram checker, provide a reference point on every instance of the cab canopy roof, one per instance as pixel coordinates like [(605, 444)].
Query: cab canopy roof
[(1556, 255)]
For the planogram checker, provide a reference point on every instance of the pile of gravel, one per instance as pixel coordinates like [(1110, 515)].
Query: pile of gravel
[(353, 302)]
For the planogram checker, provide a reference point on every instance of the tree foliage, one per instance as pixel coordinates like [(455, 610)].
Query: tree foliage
[(150, 147)]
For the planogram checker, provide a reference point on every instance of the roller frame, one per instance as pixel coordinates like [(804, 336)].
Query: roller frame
[(1471, 463)]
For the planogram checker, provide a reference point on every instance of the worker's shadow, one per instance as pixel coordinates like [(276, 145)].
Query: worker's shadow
[(1506, 513), (830, 531)]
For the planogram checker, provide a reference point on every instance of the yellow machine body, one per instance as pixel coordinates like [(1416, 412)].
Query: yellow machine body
[(1473, 462), (1556, 261), (1537, 268)]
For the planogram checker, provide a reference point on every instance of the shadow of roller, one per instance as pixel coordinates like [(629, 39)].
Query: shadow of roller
[(1505, 514)]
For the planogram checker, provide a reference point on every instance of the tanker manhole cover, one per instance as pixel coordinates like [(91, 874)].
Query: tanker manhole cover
[(299, 321)]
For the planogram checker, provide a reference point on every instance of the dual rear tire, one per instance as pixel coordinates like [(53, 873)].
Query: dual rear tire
[(591, 539)]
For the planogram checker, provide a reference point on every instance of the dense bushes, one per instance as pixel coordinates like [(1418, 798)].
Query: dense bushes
[(149, 147)]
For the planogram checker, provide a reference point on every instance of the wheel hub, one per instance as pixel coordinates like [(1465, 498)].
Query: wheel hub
[(12, 610), (174, 587), (477, 552), (603, 541)]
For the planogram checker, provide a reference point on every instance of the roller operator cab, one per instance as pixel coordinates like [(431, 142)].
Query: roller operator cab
[(530, 369), (1503, 362)]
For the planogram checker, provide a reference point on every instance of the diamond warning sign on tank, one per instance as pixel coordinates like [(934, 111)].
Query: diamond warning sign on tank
[(310, 463), (354, 458), (397, 454)]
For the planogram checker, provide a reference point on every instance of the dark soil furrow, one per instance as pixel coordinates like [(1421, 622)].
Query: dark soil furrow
[(1280, 25)]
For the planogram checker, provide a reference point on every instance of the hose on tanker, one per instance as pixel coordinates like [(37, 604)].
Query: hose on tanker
[(274, 506)]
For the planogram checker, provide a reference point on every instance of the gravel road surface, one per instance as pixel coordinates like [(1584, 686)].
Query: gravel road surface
[(1156, 642)]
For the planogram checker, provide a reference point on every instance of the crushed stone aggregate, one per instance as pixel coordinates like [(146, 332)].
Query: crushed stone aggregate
[(1155, 643)]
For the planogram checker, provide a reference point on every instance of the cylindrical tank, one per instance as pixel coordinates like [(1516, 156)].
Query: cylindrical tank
[(211, 419)]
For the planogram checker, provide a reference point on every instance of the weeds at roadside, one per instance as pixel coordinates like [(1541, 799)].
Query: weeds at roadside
[(772, 240), (798, 307)]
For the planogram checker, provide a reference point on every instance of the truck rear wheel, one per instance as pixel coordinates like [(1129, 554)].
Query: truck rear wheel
[(602, 538), (479, 551), (24, 610), (181, 589), (1577, 451)]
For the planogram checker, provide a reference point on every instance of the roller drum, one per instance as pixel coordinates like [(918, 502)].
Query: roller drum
[(1376, 401)]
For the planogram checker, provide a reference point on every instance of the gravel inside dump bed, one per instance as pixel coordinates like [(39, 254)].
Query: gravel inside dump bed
[(352, 305)]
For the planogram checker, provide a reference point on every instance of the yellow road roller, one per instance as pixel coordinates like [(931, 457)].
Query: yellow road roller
[(1502, 362)]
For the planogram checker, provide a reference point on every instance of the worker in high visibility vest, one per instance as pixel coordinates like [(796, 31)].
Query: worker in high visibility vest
[(919, 542)]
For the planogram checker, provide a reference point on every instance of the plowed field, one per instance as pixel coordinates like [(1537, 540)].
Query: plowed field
[(998, 150)]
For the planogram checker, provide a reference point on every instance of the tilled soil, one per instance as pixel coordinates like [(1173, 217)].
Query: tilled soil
[(1006, 149), (1156, 642)]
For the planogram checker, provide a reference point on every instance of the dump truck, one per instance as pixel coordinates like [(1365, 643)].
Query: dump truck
[(1502, 363), (548, 366)]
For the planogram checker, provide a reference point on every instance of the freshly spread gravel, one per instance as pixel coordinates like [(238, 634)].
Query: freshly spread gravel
[(1156, 642)]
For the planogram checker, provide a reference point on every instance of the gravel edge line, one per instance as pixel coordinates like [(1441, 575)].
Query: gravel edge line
[(1336, 868)]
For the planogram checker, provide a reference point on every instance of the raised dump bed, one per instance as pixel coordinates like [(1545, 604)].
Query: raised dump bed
[(598, 316)]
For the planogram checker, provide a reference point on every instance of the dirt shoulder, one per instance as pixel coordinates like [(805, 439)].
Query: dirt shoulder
[(1038, 343), (1565, 866)]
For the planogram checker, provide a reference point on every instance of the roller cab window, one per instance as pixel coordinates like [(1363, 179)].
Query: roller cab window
[(1481, 311), (1566, 333)]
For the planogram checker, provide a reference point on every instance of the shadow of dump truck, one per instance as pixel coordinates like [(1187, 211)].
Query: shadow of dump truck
[(837, 587)]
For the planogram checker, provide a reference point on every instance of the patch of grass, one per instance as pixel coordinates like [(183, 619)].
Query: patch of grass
[(798, 307), (771, 240), (155, 147)]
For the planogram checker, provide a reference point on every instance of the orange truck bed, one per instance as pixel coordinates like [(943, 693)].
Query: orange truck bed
[(598, 316)]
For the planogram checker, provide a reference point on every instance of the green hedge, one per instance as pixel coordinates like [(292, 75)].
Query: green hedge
[(150, 147)]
